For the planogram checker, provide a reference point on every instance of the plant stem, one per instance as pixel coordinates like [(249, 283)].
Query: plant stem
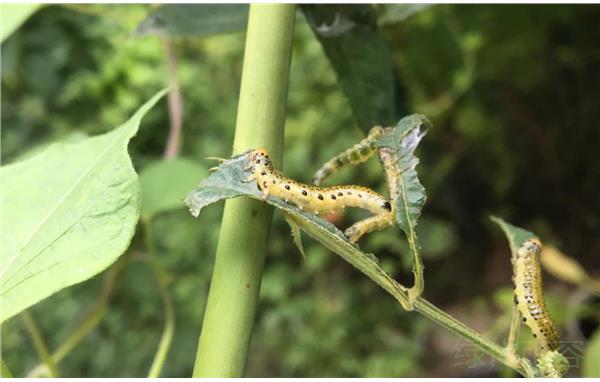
[(370, 268), (162, 282), (231, 306), (39, 343), (91, 320), (513, 333), (175, 102)]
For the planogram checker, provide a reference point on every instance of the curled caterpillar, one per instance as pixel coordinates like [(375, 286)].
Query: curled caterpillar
[(529, 295), (321, 200)]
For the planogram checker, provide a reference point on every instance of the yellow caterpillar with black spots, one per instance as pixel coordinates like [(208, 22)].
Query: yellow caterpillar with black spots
[(529, 295), (321, 200)]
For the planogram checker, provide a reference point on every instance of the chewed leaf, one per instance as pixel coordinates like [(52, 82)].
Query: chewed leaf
[(402, 141), (228, 181), (296, 234), (397, 153), (516, 236)]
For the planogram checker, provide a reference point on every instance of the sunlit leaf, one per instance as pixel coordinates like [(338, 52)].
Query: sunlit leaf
[(194, 20), (12, 16), (360, 58), (67, 214), (165, 183)]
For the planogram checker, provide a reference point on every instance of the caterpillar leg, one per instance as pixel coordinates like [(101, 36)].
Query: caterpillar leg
[(370, 224), (356, 154)]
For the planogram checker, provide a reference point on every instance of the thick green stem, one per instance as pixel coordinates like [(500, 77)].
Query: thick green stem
[(230, 309)]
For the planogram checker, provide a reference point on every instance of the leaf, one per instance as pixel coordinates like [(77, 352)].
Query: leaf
[(591, 366), (194, 20), (360, 58), (397, 148), (67, 214), (562, 266), (12, 16), (403, 141), (516, 236), (164, 184), (397, 13), (228, 181)]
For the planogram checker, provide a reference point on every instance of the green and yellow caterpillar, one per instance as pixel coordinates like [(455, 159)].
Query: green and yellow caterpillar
[(529, 295), (321, 200)]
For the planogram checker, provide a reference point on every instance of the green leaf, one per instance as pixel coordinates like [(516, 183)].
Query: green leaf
[(228, 181), (165, 182), (360, 58), (400, 143), (397, 13), (67, 214), (194, 20), (591, 366), (516, 236), (12, 16), (403, 141)]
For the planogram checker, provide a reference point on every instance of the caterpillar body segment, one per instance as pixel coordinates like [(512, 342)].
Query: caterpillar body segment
[(321, 200), (529, 295), (356, 154)]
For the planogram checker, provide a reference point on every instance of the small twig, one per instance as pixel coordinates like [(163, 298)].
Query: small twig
[(175, 102), (513, 333), (39, 343), (161, 279), (92, 319)]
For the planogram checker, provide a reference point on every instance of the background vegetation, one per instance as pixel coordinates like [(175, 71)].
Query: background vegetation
[(512, 92)]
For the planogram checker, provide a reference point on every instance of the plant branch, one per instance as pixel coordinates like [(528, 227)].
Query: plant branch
[(175, 102), (370, 268), (231, 306), (91, 320), (513, 333), (162, 282)]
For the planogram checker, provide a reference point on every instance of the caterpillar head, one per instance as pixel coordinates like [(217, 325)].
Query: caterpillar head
[(259, 157), (530, 246)]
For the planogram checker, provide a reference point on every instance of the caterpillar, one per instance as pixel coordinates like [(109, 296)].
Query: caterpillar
[(529, 295), (321, 200), (356, 154)]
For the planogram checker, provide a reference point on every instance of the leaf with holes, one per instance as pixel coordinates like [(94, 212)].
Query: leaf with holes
[(67, 214)]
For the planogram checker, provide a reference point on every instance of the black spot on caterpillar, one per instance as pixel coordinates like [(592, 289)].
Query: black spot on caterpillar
[(529, 295), (321, 200)]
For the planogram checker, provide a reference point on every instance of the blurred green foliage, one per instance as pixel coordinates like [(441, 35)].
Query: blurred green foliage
[(512, 92)]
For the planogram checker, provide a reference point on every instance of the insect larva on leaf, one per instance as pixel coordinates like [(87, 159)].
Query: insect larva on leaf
[(529, 295), (321, 200), (356, 154)]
